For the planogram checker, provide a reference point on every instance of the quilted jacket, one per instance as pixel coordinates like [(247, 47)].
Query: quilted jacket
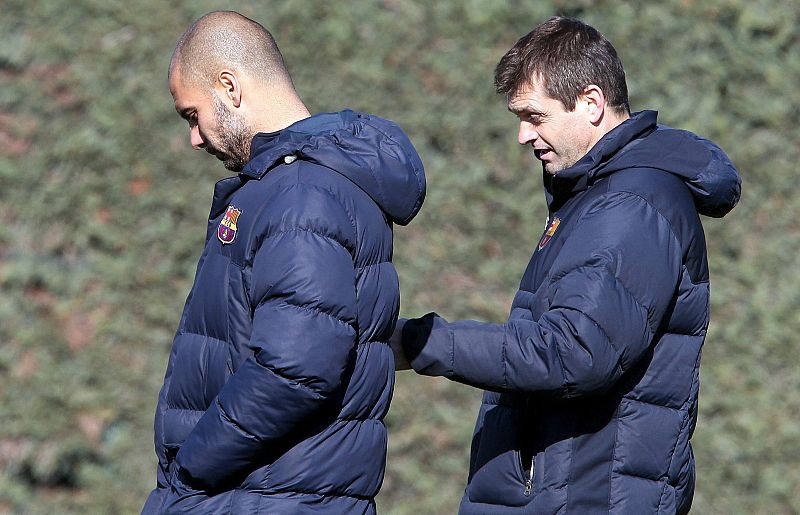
[(592, 383), (280, 376)]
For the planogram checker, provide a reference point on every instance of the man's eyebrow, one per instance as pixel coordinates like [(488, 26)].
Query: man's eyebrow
[(525, 109)]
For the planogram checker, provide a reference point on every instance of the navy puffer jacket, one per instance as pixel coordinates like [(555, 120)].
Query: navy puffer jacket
[(280, 376), (593, 380)]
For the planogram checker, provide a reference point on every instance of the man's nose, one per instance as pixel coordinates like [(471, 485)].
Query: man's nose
[(197, 140), (527, 133)]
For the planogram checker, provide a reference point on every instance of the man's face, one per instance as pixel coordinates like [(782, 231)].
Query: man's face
[(212, 125), (559, 137)]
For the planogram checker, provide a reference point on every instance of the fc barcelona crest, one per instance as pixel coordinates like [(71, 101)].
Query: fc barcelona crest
[(548, 234), (226, 232)]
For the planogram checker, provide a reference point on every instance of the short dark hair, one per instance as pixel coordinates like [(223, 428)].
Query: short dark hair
[(566, 55)]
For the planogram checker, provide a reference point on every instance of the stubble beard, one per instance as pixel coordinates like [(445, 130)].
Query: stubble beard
[(235, 137), (553, 168), (568, 159)]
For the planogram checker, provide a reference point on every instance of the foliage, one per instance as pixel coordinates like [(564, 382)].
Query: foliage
[(104, 207)]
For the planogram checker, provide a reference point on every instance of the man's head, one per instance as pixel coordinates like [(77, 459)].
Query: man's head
[(228, 80), (566, 84)]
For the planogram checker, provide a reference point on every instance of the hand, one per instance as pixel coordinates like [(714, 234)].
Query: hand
[(396, 343)]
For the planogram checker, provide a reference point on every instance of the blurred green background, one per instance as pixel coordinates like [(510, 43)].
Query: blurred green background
[(103, 207)]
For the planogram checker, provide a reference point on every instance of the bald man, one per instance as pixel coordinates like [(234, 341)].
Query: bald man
[(280, 374)]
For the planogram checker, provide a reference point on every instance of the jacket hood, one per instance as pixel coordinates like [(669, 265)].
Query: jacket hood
[(373, 153), (640, 142)]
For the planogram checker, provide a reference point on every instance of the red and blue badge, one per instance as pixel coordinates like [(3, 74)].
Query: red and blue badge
[(226, 232), (548, 234)]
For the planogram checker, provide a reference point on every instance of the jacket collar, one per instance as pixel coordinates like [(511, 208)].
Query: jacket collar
[(269, 149), (580, 176)]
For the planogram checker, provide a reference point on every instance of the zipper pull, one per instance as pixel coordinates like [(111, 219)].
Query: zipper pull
[(529, 481)]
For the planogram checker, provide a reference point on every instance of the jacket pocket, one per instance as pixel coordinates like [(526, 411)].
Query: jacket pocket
[(501, 464)]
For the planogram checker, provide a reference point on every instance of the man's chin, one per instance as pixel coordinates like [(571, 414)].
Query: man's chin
[(553, 168), (232, 164), (229, 162), (549, 168)]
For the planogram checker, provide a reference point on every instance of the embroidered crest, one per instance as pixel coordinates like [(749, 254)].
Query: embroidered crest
[(548, 234), (226, 232)]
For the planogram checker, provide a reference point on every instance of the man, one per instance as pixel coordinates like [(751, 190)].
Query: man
[(280, 374), (592, 382)]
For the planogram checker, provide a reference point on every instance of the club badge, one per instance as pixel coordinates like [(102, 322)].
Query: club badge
[(226, 232), (548, 234)]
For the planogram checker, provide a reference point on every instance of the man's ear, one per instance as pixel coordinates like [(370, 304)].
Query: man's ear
[(594, 101), (229, 86)]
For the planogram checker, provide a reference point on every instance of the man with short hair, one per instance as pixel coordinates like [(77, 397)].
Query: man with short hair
[(280, 374), (592, 383)]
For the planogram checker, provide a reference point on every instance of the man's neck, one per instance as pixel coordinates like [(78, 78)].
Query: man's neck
[(278, 120), (611, 120), (279, 111)]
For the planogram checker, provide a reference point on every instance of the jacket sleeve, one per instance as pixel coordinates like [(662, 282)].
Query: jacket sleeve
[(609, 290), (304, 332)]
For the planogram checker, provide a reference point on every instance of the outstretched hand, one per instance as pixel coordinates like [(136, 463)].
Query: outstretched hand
[(396, 343)]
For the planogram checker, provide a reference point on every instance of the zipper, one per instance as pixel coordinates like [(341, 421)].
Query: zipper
[(529, 482), (527, 450)]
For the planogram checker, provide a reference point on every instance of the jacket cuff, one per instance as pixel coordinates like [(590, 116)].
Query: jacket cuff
[(428, 345)]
